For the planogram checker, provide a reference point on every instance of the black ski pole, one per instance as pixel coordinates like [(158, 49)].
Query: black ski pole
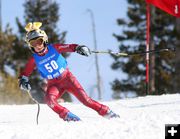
[(132, 54), (37, 104)]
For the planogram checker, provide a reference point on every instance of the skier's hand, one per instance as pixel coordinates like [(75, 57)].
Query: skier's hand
[(24, 83), (71, 117), (83, 50)]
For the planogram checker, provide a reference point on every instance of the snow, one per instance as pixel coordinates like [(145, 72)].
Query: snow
[(141, 118)]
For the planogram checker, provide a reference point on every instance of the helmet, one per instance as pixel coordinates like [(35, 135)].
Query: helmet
[(33, 32), (36, 34)]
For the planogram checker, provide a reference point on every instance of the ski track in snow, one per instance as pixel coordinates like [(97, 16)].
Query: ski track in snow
[(141, 118)]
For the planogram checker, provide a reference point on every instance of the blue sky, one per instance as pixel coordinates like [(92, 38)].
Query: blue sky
[(77, 22)]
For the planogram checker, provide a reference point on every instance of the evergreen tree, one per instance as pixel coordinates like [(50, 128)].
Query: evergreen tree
[(45, 11), (133, 39)]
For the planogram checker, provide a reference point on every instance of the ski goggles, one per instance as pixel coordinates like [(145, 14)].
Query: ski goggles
[(35, 42)]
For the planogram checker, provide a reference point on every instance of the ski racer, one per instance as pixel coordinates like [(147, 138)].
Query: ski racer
[(52, 66)]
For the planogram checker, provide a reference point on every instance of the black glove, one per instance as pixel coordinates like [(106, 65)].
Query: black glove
[(24, 83), (83, 50)]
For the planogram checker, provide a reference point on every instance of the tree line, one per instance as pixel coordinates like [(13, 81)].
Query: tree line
[(164, 67)]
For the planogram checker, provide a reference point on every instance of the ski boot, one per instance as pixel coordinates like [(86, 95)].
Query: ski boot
[(71, 117), (110, 114)]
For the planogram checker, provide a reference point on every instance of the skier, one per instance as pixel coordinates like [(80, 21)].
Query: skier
[(52, 66)]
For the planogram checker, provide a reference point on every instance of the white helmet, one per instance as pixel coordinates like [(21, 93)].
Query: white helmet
[(33, 32)]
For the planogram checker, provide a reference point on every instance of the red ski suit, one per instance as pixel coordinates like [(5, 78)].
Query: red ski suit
[(66, 82)]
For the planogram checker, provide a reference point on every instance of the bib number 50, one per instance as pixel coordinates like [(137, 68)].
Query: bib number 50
[(51, 66)]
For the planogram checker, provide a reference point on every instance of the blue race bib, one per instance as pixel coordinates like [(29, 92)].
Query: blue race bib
[(51, 65)]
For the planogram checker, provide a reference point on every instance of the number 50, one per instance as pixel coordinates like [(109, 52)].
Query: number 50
[(51, 66)]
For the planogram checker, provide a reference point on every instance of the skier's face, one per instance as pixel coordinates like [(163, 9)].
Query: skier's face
[(37, 44)]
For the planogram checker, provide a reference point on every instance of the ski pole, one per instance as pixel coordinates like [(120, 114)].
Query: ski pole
[(132, 54), (37, 104), (109, 52)]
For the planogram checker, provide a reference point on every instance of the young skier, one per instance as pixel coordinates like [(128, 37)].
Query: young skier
[(52, 66)]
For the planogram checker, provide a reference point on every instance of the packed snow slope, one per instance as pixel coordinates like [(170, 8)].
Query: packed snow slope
[(141, 118)]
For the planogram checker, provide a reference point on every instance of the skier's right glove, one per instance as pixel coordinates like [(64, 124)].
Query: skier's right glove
[(71, 117), (24, 83)]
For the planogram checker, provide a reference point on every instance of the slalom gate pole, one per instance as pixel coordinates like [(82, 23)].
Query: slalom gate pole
[(29, 93), (132, 54)]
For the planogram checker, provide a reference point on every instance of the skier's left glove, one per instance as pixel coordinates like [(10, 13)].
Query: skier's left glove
[(71, 117), (24, 83), (83, 50)]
